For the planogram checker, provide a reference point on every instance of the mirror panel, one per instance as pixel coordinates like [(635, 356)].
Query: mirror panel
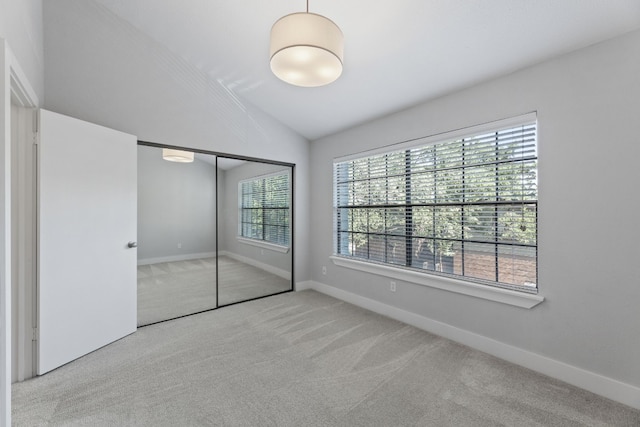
[(254, 241), (176, 235)]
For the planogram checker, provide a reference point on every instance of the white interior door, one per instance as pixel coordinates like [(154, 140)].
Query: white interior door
[(87, 181)]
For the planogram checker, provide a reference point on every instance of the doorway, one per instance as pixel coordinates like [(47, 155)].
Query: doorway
[(19, 100), (23, 241)]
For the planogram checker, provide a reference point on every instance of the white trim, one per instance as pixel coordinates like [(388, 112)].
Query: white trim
[(445, 136), (5, 237), (303, 286), (172, 258), (20, 86), (262, 266), (604, 386), (505, 296), (24, 269), (263, 244), (14, 84)]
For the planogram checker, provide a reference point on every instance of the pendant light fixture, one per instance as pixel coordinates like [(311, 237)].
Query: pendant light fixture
[(306, 49), (179, 156)]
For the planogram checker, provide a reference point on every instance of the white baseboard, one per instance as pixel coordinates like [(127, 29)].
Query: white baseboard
[(595, 383), (172, 258), (303, 286), (262, 266)]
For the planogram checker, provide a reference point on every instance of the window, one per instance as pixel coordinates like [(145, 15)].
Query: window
[(264, 208), (464, 208)]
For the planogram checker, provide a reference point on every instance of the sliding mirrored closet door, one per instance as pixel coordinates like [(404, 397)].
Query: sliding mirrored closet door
[(255, 257), (176, 234), (212, 231)]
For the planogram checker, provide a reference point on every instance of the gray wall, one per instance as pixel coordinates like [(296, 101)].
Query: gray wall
[(176, 205), (103, 70), (228, 210), (588, 104), (21, 27)]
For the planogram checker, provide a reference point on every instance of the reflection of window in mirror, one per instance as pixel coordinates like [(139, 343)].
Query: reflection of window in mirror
[(263, 209)]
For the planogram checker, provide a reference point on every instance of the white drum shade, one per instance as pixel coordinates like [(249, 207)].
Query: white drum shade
[(177, 155), (306, 49)]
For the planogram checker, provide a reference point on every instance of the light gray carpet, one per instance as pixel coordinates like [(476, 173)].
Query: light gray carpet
[(171, 289), (300, 359)]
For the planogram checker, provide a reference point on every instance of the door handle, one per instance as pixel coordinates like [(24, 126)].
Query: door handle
[(132, 245)]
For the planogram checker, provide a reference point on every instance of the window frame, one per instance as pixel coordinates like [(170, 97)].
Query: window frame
[(523, 296), (277, 246)]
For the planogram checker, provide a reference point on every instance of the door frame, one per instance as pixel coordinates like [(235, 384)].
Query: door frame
[(15, 88), (23, 241)]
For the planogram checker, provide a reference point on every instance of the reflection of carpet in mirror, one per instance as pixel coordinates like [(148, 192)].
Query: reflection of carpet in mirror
[(172, 289)]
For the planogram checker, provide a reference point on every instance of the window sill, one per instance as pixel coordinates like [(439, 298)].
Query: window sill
[(263, 244), (505, 296)]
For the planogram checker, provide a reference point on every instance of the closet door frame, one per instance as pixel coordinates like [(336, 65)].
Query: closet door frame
[(292, 169)]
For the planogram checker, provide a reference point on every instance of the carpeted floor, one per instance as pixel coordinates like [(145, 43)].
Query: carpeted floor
[(300, 359), (171, 289)]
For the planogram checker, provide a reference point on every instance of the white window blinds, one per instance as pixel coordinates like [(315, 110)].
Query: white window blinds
[(465, 207)]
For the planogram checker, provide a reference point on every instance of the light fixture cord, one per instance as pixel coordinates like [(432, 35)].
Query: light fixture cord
[(307, 6)]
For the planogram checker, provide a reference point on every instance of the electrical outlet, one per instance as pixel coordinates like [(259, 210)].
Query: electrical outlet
[(179, 245), (324, 270), (392, 286)]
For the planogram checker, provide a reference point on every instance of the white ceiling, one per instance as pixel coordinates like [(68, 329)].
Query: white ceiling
[(397, 53)]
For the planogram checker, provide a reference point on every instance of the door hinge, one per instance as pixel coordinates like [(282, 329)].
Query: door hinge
[(35, 336), (36, 122)]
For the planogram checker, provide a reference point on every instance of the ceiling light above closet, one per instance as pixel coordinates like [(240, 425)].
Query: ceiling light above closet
[(306, 49)]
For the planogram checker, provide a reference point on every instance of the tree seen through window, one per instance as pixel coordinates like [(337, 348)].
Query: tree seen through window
[(466, 207)]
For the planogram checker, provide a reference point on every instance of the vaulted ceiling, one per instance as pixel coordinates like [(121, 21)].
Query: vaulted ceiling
[(397, 53)]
